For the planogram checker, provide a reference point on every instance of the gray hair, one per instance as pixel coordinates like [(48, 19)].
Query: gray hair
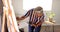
[(38, 9)]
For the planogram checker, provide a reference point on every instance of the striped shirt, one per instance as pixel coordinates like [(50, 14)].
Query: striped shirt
[(33, 18)]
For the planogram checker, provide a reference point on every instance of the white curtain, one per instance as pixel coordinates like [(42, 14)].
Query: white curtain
[(46, 4)]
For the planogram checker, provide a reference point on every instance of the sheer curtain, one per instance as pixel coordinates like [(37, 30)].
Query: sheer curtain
[(46, 4)]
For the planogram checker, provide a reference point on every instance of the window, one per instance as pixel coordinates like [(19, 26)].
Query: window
[(29, 4)]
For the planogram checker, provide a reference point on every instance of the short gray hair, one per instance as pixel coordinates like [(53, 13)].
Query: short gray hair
[(38, 8)]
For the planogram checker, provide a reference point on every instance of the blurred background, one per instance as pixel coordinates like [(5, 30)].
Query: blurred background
[(22, 6)]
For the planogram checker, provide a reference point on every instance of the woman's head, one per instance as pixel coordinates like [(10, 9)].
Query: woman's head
[(38, 10)]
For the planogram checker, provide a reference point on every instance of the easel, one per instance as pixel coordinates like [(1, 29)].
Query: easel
[(9, 17)]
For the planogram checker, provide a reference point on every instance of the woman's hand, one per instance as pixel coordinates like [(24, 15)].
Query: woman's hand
[(18, 18), (34, 25)]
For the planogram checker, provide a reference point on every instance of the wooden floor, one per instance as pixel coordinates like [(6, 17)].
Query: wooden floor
[(55, 28)]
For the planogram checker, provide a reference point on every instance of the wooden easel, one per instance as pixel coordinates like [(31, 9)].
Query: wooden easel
[(9, 20)]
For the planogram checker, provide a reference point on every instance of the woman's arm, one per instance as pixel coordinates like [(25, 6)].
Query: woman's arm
[(25, 16)]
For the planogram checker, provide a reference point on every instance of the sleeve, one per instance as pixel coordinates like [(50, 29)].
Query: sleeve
[(27, 14)]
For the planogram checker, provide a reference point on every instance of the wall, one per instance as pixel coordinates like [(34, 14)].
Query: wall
[(18, 9), (18, 6), (56, 9)]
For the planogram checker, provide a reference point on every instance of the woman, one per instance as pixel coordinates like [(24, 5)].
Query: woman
[(36, 19)]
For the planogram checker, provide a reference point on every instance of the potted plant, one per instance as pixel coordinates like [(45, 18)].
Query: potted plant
[(50, 15)]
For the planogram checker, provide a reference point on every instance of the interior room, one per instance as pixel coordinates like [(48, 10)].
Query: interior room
[(51, 10)]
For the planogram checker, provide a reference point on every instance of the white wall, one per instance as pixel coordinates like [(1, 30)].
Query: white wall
[(18, 6), (56, 9), (18, 9)]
